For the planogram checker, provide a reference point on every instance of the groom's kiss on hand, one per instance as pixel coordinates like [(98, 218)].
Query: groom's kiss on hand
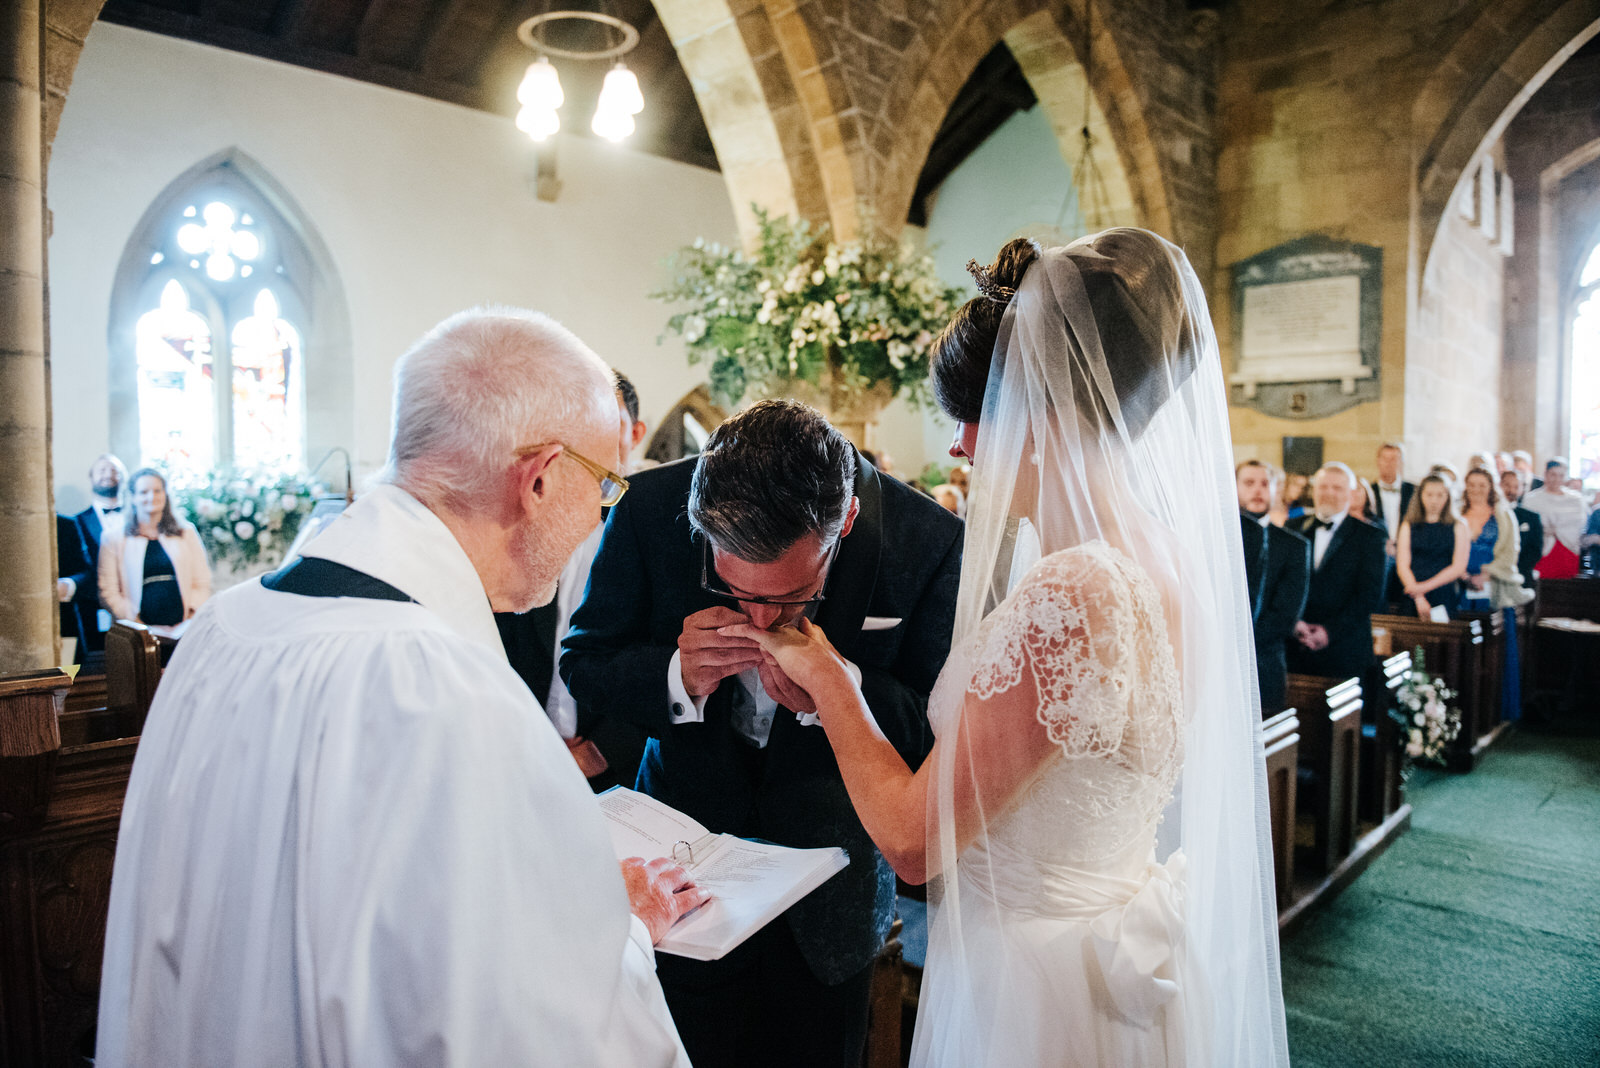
[(778, 519)]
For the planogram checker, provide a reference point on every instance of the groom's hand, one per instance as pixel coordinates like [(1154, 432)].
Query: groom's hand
[(707, 657), (782, 689)]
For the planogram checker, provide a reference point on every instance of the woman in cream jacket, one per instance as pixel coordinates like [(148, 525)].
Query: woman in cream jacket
[(1492, 579), (154, 568)]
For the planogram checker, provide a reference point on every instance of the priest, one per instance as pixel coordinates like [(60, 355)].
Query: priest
[(351, 835)]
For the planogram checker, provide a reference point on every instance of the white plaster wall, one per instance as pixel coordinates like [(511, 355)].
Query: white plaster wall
[(1016, 183), (425, 207)]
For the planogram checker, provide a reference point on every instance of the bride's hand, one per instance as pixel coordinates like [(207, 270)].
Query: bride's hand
[(802, 652)]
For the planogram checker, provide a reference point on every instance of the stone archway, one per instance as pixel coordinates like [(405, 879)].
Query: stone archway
[(1495, 66)]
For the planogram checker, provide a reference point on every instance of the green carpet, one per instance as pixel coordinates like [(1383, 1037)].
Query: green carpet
[(1475, 939)]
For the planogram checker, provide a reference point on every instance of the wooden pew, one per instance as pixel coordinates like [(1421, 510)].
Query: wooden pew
[(62, 802), (1488, 683), (1558, 657), (1330, 755), (133, 669), (1280, 740), (1381, 759), (885, 1007), (1454, 651)]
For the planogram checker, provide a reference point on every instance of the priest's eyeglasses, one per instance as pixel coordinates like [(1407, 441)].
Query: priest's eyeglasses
[(612, 485), (712, 582)]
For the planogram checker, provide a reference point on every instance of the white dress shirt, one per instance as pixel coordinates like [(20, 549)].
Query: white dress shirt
[(1322, 536), (1389, 504), (351, 837)]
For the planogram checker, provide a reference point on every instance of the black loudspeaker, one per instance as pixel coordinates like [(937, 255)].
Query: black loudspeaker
[(1302, 456)]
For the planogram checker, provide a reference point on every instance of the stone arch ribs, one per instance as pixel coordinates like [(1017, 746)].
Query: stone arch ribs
[(1045, 36), (1494, 67)]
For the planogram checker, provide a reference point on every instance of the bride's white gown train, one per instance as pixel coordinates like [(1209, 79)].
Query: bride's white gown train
[(1067, 938)]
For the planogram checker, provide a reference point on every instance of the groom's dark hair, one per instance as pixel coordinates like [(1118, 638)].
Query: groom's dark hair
[(768, 477)]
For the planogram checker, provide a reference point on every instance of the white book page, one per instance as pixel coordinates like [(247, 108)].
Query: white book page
[(750, 882), (641, 826)]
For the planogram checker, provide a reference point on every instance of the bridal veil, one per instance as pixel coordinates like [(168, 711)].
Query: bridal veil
[(1105, 419)]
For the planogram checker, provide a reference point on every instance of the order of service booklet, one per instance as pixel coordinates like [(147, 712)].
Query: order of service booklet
[(751, 882)]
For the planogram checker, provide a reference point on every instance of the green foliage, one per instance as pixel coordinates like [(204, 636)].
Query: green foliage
[(801, 306)]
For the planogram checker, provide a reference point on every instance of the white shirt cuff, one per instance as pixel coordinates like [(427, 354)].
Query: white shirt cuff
[(684, 709), (811, 719)]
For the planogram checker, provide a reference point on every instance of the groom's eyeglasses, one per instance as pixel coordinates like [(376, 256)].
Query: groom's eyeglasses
[(612, 485), (712, 583)]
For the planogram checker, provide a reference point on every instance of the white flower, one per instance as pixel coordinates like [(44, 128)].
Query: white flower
[(247, 507), (1419, 719), (817, 278), (763, 286), (694, 328), (244, 529), (289, 502), (265, 541), (1413, 749), (764, 316), (830, 264), (222, 536)]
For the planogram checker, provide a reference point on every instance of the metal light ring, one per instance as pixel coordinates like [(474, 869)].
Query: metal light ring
[(526, 33)]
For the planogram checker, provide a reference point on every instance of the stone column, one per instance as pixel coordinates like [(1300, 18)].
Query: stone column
[(28, 615)]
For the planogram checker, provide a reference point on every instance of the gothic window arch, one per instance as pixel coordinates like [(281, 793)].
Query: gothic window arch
[(1584, 391), (229, 344)]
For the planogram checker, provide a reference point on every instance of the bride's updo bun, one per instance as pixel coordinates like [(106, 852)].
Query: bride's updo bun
[(963, 350), (1137, 298)]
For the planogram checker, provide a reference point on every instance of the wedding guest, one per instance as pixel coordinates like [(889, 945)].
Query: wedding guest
[(961, 478), (1565, 518), (77, 616), (1334, 634), (1484, 460), (1363, 503), (351, 837), (1591, 543), (80, 577), (950, 499), (1277, 566), (1294, 501), (1503, 463), (1433, 549), (1492, 579), (636, 427), (1530, 527), (1393, 492), (1523, 462), (153, 566)]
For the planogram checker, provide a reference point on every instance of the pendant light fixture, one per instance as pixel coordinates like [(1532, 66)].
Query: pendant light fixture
[(540, 94)]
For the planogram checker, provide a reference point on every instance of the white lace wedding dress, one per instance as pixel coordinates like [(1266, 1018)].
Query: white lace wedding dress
[(1061, 940)]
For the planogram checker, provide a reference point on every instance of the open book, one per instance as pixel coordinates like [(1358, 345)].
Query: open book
[(751, 882)]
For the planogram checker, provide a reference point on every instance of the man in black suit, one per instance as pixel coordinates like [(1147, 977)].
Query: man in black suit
[(1334, 635), (1390, 498), (106, 478), (72, 563), (777, 518), (1277, 566), (1530, 525)]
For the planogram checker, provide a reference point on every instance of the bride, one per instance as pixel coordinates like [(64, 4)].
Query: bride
[(1093, 814)]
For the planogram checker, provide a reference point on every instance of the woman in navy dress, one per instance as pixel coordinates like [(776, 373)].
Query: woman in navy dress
[(1432, 549)]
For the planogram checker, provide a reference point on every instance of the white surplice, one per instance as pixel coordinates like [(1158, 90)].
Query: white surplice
[(351, 837)]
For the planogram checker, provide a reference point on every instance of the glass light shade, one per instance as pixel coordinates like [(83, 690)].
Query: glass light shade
[(541, 87), (612, 123), (538, 123), (621, 91)]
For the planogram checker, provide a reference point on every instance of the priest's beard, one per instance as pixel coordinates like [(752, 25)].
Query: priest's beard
[(540, 554)]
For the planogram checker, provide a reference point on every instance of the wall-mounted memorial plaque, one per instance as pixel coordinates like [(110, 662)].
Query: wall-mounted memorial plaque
[(1307, 319)]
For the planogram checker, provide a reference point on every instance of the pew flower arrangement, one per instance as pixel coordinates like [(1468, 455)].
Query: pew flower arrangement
[(844, 317), (1428, 721), (247, 518)]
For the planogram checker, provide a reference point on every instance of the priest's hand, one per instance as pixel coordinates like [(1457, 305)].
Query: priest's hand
[(707, 656), (659, 893)]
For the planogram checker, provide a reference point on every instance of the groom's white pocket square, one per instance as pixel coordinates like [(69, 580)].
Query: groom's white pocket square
[(880, 623)]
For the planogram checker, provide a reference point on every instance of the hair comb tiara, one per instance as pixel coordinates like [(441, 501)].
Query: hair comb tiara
[(987, 286)]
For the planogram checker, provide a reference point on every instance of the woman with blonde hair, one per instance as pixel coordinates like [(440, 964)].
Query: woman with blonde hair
[(153, 568), (1431, 549)]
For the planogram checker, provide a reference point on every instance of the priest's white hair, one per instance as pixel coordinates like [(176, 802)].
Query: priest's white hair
[(478, 386)]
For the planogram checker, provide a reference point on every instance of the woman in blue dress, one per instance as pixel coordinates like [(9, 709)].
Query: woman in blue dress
[(1432, 549)]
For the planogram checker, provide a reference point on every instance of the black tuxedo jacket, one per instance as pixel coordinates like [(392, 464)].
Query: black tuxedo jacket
[(87, 575), (79, 615), (1277, 566), (1343, 594), (902, 559), (1530, 550)]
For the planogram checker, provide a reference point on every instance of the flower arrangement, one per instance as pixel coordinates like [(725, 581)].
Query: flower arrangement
[(843, 317), (247, 519), (1428, 722)]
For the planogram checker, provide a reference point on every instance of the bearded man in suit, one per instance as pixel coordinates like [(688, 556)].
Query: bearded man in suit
[(1277, 566), (1334, 635), (779, 517)]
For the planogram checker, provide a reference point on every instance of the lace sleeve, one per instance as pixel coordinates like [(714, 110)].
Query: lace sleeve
[(1070, 624)]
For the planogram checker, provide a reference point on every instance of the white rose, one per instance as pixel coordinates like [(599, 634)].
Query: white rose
[(289, 502), (1419, 719), (694, 328), (764, 315), (244, 529), (222, 536), (817, 278), (1414, 749), (265, 541)]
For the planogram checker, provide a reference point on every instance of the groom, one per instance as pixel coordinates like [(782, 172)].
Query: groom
[(779, 517)]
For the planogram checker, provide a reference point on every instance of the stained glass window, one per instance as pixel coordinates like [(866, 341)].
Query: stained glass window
[(214, 320)]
